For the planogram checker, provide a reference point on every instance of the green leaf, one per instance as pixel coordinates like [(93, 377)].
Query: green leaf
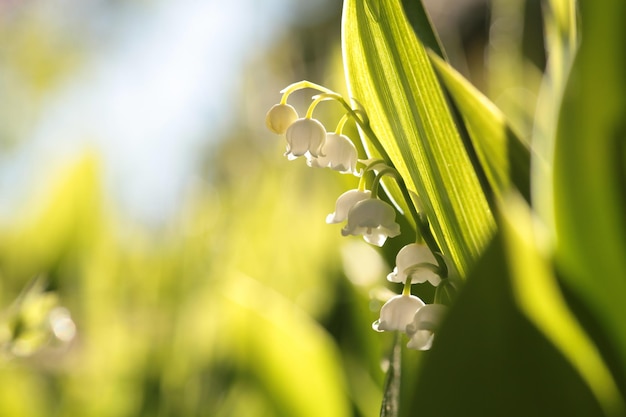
[(537, 293), (590, 171), (388, 71), (60, 216), (422, 26), (562, 41), (509, 346), (502, 154), (276, 342)]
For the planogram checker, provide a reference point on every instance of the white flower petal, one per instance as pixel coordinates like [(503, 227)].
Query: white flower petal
[(376, 237), (421, 340), (339, 153), (344, 203), (305, 136), (393, 276), (422, 328), (374, 219), (397, 313), (408, 259)]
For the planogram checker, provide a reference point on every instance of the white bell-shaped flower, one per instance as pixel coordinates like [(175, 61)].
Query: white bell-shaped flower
[(398, 313), (344, 203), (280, 117), (305, 137), (422, 328), (374, 219), (338, 153), (408, 263)]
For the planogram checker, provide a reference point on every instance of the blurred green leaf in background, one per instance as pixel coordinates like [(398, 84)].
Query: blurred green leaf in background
[(144, 207)]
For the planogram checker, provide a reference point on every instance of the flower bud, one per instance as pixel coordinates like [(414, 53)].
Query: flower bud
[(280, 117)]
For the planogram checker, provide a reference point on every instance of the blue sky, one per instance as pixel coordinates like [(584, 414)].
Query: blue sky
[(156, 80)]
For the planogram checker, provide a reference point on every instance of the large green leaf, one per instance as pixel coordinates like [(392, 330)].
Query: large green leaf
[(502, 154), (422, 25), (509, 345), (388, 71), (590, 171), (538, 295)]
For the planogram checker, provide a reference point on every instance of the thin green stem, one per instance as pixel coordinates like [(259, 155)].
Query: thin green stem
[(446, 292), (301, 85), (385, 171), (341, 123), (309, 112), (407, 286), (370, 165), (361, 119), (422, 224)]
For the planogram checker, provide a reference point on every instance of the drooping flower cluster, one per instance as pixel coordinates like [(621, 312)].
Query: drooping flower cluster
[(308, 137), (363, 212), (408, 313)]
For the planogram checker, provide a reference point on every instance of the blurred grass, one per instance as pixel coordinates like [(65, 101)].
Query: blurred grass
[(238, 305), (176, 324)]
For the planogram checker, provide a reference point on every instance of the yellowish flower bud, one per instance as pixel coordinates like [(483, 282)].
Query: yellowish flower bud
[(280, 117)]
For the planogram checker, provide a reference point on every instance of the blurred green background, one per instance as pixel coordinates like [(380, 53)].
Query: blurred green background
[(158, 254)]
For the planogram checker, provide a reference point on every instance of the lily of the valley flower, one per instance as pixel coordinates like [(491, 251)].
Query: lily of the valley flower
[(414, 260), (422, 328), (305, 137), (374, 219), (339, 153), (398, 313), (344, 203), (280, 117)]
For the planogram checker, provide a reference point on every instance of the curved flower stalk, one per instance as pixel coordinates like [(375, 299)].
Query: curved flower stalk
[(374, 219), (345, 202), (397, 313), (422, 328), (417, 262)]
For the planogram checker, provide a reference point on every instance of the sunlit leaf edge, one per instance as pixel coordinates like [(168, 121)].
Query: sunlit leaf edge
[(388, 71)]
